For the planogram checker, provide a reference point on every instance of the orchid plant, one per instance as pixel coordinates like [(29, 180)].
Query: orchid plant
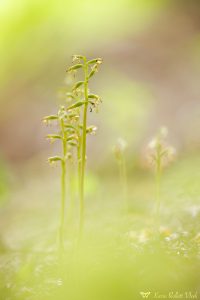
[(160, 154), (73, 129), (83, 100)]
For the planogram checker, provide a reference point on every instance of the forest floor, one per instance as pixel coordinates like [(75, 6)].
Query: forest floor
[(120, 256)]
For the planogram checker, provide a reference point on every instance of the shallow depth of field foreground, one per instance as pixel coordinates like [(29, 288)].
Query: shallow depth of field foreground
[(100, 150)]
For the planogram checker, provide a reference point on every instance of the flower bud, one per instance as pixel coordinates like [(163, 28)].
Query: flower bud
[(53, 137), (72, 137), (91, 73), (91, 130), (77, 104), (74, 67), (69, 126), (46, 120), (77, 57), (93, 96), (94, 61), (77, 85), (54, 159), (73, 144)]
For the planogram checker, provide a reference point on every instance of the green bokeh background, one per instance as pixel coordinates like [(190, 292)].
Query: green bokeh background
[(149, 78)]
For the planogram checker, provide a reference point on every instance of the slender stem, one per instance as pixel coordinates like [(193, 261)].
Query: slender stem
[(72, 192), (158, 181), (63, 187), (79, 165), (83, 158), (124, 180)]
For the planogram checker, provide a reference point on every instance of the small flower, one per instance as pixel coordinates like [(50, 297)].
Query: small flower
[(99, 61), (94, 101), (62, 112), (152, 144), (92, 130), (77, 58), (54, 159), (74, 67), (159, 151), (53, 137), (48, 119), (95, 61), (73, 115), (119, 148)]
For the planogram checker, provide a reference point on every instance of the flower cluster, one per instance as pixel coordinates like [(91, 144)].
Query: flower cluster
[(159, 151), (73, 129), (68, 117)]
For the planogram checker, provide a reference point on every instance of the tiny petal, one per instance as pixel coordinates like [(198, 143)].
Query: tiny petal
[(164, 131), (152, 144)]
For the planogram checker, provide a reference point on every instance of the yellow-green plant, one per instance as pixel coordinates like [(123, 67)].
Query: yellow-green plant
[(68, 138), (85, 99), (73, 128), (160, 154)]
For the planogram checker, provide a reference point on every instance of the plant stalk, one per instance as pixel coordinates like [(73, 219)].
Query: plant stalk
[(63, 187), (123, 175), (83, 157), (79, 165), (158, 183)]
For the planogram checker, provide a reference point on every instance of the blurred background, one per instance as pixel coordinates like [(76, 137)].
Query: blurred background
[(150, 75), (149, 78)]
